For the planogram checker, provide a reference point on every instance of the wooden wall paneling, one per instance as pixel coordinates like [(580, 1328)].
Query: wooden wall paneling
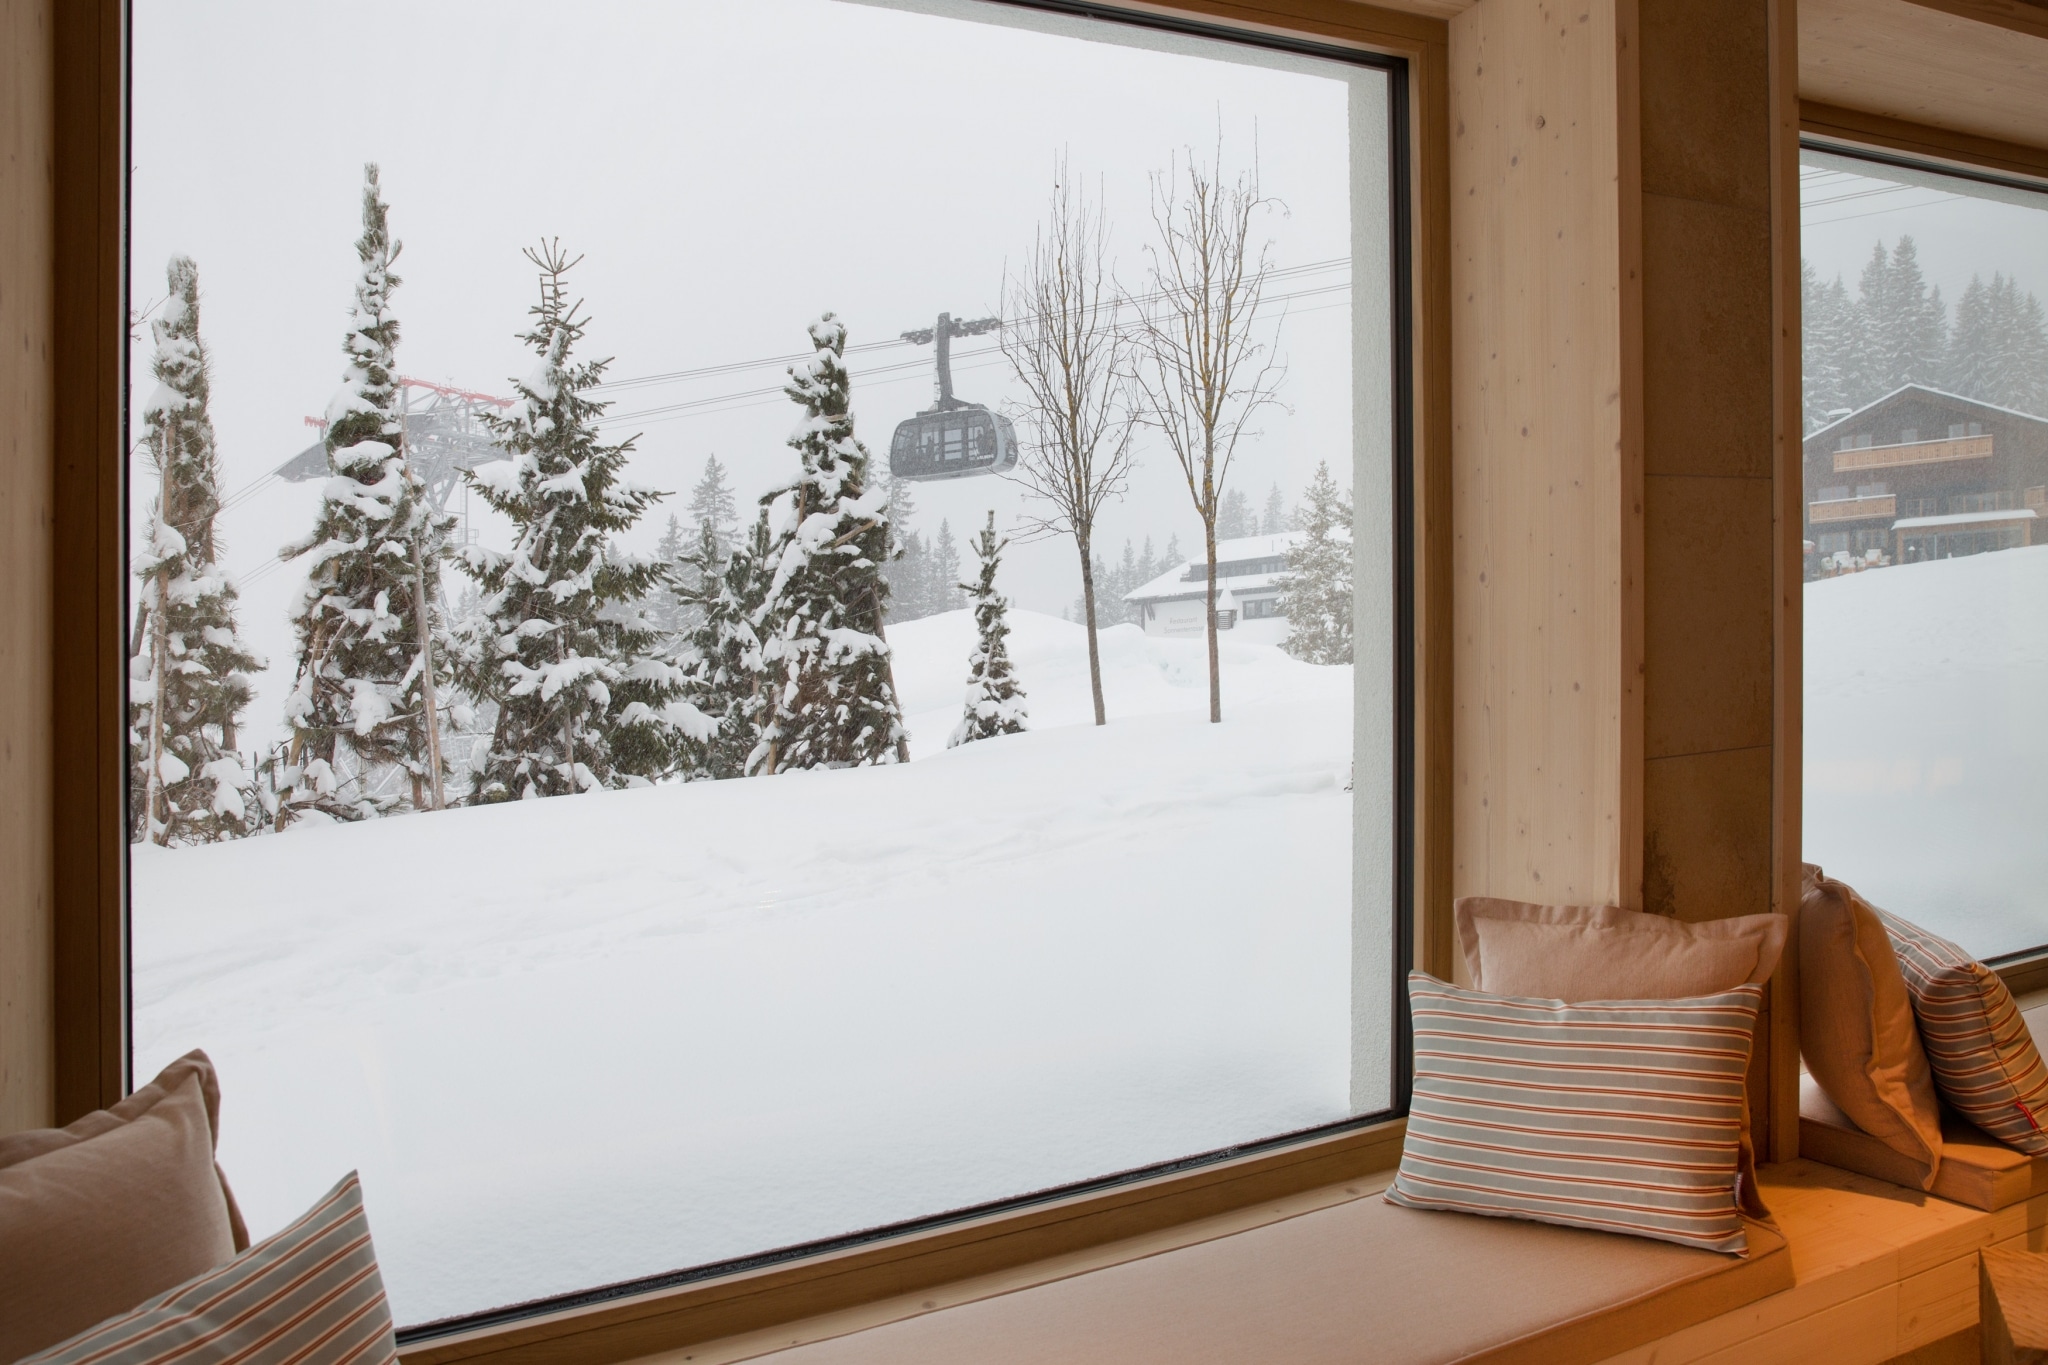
[(1788, 573), (89, 331), (27, 114), (1925, 65), (1541, 446), (2021, 16)]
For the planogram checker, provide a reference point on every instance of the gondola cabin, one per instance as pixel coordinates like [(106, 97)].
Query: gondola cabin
[(952, 439), (953, 443)]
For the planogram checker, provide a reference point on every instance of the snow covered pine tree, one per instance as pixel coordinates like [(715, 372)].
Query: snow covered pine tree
[(1315, 592), (830, 688), (587, 693), (188, 667), (723, 672), (359, 702), (995, 701)]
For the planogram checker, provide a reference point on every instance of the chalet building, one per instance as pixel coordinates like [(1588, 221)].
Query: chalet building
[(1923, 474), (1248, 572)]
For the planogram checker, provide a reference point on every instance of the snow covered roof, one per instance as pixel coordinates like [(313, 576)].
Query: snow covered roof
[(1963, 519), (1245, 564), (1929, 391)]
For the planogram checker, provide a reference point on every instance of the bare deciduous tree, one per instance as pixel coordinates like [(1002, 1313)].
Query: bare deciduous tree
[(1063, 341), (1202, 372)]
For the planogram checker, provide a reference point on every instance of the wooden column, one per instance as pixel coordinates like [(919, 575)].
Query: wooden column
[(1546, 453), (1619, 211)]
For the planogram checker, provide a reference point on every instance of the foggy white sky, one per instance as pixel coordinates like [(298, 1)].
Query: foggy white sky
[(730, 171), (1960, 229)]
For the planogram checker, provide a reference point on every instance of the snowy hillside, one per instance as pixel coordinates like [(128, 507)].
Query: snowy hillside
[(1927, 742), (579, 1040)]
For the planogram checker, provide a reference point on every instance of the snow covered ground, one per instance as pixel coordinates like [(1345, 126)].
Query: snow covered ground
[(1927, 742), (576, 1041)]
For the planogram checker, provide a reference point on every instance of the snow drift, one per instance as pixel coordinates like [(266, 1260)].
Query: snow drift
[(1927, 742), (573, 1041)]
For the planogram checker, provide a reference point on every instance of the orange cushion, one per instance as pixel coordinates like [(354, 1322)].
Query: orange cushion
[(1856, 1029), (121, 1205)]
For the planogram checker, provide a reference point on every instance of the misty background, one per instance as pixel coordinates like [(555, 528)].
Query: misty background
[(729, 172)]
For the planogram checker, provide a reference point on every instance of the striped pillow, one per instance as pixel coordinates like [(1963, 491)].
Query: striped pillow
[(311, 1295), (1621, 1115), (1984, 1060)]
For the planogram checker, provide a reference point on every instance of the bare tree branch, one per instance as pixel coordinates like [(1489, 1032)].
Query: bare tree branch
[(1202, 372), (1069, 353)]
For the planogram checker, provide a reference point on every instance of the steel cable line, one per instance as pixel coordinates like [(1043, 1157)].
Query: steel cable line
[(763, 398), (731, 367), (896, 372), (870, 374), (1893, 208)]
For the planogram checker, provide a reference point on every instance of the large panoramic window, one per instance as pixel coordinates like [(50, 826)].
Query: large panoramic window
[(756, 622), (1926, 527)]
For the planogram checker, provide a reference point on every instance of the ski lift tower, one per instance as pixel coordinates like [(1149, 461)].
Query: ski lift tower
[(443, 437)]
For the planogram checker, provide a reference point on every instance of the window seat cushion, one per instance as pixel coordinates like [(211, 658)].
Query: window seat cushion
[(1359, 1280), (1975, 1170)]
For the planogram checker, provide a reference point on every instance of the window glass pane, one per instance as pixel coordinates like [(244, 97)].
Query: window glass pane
[(1926, 477), (570, 827)]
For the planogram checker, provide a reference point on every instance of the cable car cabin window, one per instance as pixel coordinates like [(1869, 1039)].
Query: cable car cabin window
[(618, 752), (1926, 612)]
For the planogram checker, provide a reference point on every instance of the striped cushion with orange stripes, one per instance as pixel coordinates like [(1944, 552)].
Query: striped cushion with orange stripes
[(1620, 1115), (311, 1295), (1983, 1058)]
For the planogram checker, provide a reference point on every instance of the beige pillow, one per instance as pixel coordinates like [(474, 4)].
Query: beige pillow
[(1856, 1029), (1602, 952), (123, 1204), (311, 1295)]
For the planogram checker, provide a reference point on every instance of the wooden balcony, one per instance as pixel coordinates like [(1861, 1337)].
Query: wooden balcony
[(1854, 509), (1916, 452)]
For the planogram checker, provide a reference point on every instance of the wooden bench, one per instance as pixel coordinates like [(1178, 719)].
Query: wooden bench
[(1876, 1273)]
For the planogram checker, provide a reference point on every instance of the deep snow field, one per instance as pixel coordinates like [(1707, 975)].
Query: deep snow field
[(576, 1041), (1927, 742)]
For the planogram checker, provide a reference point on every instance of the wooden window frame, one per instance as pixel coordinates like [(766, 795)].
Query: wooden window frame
[(92, 1003)]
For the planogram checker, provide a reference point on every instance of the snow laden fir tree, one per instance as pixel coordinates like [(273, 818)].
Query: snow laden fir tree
[(366, 625), (829, 691), (722, 665), (995, 701), (1315, 592), (583, 684), (189, 667)]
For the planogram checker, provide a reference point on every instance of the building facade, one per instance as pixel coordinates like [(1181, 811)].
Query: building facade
[(1922, 474), (1248, 573)]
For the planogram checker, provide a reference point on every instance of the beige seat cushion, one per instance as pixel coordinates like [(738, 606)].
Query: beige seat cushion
[(1576, 953), (1361, 1281), (121, 1205), (1856, 1028)]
